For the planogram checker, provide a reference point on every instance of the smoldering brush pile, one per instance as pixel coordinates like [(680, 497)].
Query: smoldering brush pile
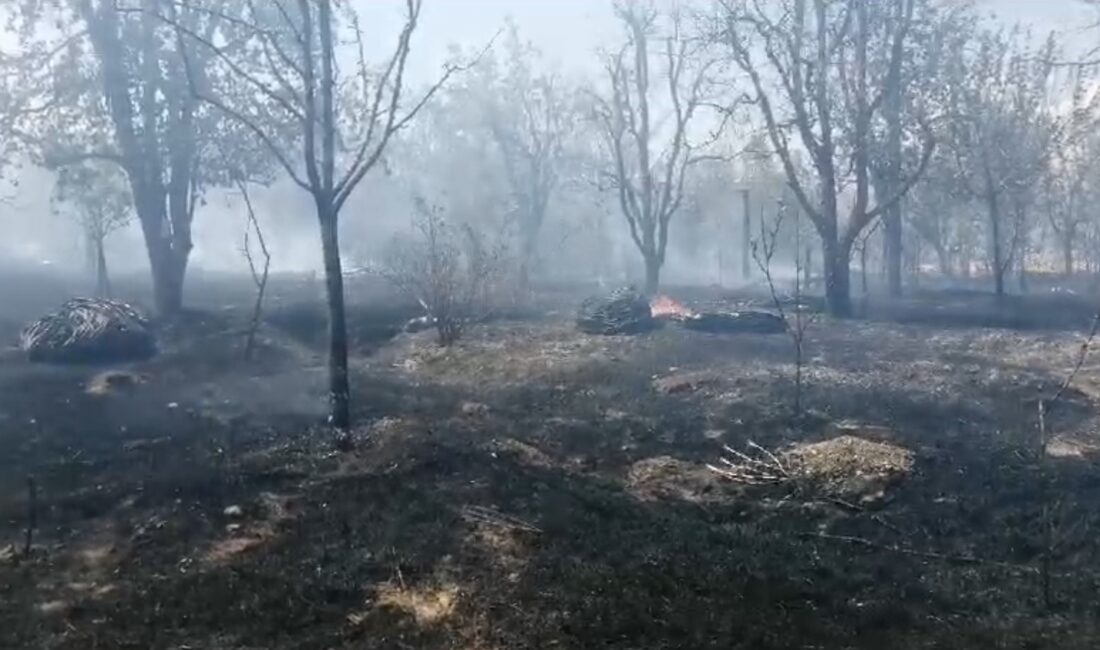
[(89, 329)]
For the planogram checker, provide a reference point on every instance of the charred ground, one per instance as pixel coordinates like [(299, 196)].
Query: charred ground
[(535, 487)]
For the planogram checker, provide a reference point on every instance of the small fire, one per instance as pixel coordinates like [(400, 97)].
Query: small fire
[(665, 307)]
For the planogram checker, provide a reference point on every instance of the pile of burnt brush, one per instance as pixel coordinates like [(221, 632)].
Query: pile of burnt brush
[(625, 311), (89, 330)]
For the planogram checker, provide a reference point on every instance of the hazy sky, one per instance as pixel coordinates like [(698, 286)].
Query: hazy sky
[(569, 31)]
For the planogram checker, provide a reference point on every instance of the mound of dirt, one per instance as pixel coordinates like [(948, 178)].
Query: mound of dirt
[(850, 467), (89, 330)]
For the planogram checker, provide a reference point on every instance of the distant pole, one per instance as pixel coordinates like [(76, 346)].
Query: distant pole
[(746, 236)]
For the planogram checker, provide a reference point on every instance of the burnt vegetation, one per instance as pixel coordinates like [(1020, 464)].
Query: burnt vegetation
[(769, 326)]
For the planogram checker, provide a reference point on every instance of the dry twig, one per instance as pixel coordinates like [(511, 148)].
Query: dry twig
[(762, 468)]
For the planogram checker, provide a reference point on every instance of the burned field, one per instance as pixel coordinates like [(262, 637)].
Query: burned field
[(538, 487)]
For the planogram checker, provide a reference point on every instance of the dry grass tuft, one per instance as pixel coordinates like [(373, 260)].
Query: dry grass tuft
[(427, 605), (850, 466), (113, 381)]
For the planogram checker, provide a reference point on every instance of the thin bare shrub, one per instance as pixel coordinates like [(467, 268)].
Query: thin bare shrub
[(453, 270), (795, 318)]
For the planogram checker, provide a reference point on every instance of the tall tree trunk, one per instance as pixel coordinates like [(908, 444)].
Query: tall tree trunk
[(944, 260), (339, 385), (166, 265), (133, 90), (837, 263), (915, 261), (1067, 255), (863, 268), (893, 248), (746, 236), (998, 254), (527, 261), (168, 286), (892, 230), (652, 273), (1022, 270), (102, 279)]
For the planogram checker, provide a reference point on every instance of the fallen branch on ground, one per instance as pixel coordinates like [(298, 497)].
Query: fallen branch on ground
[(762, 468)]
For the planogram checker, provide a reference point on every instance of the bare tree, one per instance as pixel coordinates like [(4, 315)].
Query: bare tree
[(863, 242), (97, 197), (104, 81), (916, 85), (826, 94), (795, 318), (649, 164), (326, 128), (1068, 189), (1000, 98), (259, 273), (530, 115)]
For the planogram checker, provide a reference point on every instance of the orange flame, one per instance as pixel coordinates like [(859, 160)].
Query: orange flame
[(665, 307)]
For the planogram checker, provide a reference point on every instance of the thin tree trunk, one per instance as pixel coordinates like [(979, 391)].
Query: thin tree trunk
[(167, 285), (746, 236), (257, 314), (863, 268), (892, 218), (998, 254), (807, 267), (893, 249), (527, 261), (102, 280), (1023, 273), (1067, 256), (652, 274), (339, 385), (837, 265), (943, 259), (259, 278)]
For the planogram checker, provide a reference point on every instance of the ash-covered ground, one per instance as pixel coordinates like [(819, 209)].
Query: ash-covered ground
[(536, 487)]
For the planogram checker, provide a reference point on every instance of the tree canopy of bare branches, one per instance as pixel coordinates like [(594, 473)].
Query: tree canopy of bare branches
[(96, 196), (530, 114), (650, 157), (1001, 136), (103, 80), (326, 127), (811, 68)]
